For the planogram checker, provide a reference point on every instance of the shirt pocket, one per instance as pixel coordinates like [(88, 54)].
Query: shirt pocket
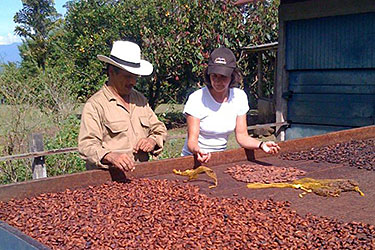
[(116, 136), (116, 127), (145, 123)]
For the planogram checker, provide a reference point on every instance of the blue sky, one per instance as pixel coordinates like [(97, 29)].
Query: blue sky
[(9, 9)]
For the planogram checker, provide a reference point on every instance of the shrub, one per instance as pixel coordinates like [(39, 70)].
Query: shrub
[(66, 137)]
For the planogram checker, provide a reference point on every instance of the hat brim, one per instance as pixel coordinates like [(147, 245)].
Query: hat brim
[(145, 68), (221, 70)]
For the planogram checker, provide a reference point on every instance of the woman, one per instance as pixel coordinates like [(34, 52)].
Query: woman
[(215, 111)]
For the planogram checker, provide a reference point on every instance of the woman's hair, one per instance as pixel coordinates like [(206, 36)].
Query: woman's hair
[(236, 78)]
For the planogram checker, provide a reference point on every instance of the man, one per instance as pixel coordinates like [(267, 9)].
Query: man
[(118, 127)]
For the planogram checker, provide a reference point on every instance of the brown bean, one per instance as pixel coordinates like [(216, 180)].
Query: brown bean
[(161, 214), (355, 153)]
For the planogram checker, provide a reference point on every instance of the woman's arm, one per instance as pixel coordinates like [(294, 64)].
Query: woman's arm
[(246, 141), (192, 143)]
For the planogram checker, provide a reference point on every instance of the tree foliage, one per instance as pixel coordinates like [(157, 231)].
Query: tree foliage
[(60, 66), (35, 104), (176, 36), (36, 20), (262, 22)]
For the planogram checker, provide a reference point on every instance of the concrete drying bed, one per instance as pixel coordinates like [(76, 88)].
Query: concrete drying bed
[(350, 206)]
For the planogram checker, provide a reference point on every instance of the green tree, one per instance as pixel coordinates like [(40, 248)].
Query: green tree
[(176, 36), (36, 19), (261, 20)]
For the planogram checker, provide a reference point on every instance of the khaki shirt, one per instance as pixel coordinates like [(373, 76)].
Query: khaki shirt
[(107, 126)]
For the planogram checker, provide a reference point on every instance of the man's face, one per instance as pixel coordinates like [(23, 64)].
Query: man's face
[(122, 80)]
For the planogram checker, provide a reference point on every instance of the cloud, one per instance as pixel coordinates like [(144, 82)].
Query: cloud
[(9, 39)]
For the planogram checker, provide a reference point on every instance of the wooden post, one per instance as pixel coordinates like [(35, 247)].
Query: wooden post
[(274, 79), (260, 74), (281, 82), (38, 165)]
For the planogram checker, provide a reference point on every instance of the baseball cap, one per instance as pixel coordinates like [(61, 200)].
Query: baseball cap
[(222, 61)]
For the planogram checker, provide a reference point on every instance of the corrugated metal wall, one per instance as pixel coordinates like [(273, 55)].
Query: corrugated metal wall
[(331, 66), (341, 42), (332, 97)]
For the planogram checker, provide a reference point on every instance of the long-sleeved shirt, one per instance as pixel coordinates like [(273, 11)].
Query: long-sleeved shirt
[(107, 126)]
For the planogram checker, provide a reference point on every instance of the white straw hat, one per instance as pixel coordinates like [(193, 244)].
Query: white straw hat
[(127, 55)]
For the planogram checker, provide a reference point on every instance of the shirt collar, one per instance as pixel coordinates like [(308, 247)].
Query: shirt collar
[(108, 93), (111, 96)]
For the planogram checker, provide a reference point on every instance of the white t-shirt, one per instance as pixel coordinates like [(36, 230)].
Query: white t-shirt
[(217, 120)]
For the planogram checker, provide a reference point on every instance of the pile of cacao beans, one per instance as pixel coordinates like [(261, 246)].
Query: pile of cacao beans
[(251, 173), (162, 214), (354, 153)]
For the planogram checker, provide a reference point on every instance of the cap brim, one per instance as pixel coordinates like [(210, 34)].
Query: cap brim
[(145, 68), (221, 70)]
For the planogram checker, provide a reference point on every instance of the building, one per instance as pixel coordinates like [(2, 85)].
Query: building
[(326, 66)]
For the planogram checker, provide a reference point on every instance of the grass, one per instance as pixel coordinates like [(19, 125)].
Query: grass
[(170, 114), (173, 147), (30, 117), (18, 122), (169, 108)]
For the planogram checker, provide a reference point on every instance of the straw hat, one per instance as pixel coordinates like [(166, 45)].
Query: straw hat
[(127, 55)]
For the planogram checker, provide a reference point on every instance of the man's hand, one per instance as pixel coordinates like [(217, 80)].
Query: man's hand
[(120, 161), (145, 145)]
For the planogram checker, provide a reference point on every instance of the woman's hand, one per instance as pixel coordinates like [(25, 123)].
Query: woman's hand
[(202, 156), (193, 132), (270, 147)]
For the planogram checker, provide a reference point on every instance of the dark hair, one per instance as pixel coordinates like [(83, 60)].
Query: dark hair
[(236, 78), (116, 69)]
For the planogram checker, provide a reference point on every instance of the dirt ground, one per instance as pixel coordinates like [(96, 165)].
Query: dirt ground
[(348, 207)]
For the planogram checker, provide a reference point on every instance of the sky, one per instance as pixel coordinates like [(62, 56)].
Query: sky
[(8, 10)]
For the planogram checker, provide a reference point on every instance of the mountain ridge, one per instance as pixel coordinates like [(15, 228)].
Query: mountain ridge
[(10, 53)]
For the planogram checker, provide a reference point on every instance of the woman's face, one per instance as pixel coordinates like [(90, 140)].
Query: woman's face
[(219, 82)]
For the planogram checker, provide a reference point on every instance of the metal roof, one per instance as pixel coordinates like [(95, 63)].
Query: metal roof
[(262, 47), (242, 2)]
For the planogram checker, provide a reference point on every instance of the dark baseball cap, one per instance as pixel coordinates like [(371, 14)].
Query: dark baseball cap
[(222, 61)]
